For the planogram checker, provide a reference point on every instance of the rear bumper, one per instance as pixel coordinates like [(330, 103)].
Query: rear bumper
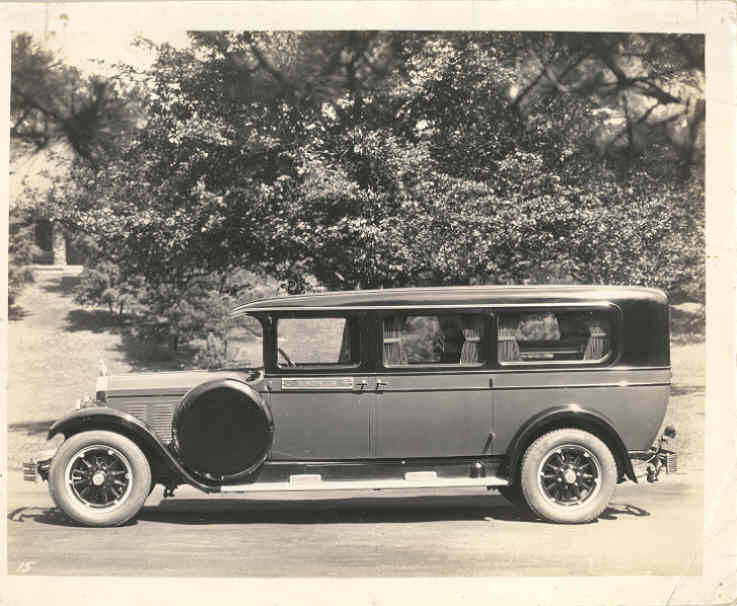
[(36, 468), (670, 460), (659, 458)]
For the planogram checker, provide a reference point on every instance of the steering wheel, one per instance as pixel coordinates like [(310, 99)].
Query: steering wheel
[(283, 354)]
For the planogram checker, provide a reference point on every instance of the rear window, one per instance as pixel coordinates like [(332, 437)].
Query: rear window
[(448, 339), (550, 337)]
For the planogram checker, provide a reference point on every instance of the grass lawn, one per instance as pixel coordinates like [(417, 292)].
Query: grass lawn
[(54, 353), (55, 347), (686, 407)]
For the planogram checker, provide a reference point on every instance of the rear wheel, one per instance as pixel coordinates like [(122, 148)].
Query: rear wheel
[(99, 478), (568, 476)]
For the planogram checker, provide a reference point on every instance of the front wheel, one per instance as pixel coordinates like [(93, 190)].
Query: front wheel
[(99, 478), (568, 476)]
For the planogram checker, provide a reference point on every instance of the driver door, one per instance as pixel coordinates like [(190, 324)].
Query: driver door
[(319, 392)]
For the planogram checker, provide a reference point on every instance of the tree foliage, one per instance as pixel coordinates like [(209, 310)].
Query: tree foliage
[(51, 101), (21, 250), (377, 159)]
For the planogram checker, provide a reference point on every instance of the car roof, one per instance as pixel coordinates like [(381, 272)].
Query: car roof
[(453, 296)]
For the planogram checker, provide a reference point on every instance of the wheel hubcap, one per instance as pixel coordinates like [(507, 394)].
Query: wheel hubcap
[(569, 475), (99, 476)]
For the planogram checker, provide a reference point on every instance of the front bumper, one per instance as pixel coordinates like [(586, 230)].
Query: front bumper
[(37, 468)]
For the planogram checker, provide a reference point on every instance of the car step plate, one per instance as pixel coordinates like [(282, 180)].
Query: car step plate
[(417, 479)]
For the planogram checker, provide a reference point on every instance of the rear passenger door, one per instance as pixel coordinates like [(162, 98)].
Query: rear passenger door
[(433, 390), (556, 356)]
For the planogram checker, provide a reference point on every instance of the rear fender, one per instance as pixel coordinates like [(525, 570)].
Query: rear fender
[(110, 419), (574, 416)]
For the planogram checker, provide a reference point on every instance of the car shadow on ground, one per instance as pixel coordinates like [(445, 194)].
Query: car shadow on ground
[(618, 510), (198, 512), (47, 515), (332, 511), (354, 511)]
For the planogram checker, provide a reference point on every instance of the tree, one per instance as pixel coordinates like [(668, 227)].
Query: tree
[(51, 101), (377, 159), (21, 250), (53, 104)]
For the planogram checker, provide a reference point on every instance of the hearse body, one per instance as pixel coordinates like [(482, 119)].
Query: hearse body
[(546, 394)]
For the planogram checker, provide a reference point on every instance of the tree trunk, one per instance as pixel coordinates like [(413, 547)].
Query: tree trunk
[(58, 245)]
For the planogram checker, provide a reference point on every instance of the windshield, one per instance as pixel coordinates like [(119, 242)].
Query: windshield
[(244, 343)]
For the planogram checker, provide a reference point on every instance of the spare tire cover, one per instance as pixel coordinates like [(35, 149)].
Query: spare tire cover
[(222, 429)]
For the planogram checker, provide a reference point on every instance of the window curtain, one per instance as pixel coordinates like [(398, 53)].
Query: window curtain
[(508, 349), (473, 330), (393, 348), (598, 343)]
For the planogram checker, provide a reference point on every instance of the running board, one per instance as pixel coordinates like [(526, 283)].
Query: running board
[(420, 479)]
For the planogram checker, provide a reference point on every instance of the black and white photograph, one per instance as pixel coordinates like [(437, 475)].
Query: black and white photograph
[(418, 297)]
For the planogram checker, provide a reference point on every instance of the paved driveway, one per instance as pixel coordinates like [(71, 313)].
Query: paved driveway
[(649, 529)]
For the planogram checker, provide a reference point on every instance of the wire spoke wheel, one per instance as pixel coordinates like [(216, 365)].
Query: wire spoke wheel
[(569, 475), (100, 476)]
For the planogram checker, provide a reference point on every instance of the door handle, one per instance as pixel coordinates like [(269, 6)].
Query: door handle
[(380, 384)]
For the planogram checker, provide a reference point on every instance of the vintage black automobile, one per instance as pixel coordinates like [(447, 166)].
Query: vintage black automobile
[(545, 393)]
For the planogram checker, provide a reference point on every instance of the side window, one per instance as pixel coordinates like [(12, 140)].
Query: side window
[(318, 342), (458, 339), (540, 337)]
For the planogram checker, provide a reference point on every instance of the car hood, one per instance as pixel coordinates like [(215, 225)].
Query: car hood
[(174, 382)]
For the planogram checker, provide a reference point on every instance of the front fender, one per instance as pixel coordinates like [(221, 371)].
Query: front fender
[(110, 419), (572, 415)]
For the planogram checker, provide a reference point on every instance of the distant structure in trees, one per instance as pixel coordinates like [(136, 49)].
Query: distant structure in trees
[(55, 243)]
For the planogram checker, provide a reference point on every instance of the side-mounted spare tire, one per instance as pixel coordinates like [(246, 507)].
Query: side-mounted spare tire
[(222, 430)]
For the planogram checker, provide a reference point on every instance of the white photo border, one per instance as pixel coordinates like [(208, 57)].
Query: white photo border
[(717, 20)]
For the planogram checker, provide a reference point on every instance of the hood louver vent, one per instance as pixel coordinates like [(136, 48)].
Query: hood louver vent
[(157, 415)]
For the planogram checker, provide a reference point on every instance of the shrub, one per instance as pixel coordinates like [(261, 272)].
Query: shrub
[(103, 284), (210, 352), (21, 251)]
